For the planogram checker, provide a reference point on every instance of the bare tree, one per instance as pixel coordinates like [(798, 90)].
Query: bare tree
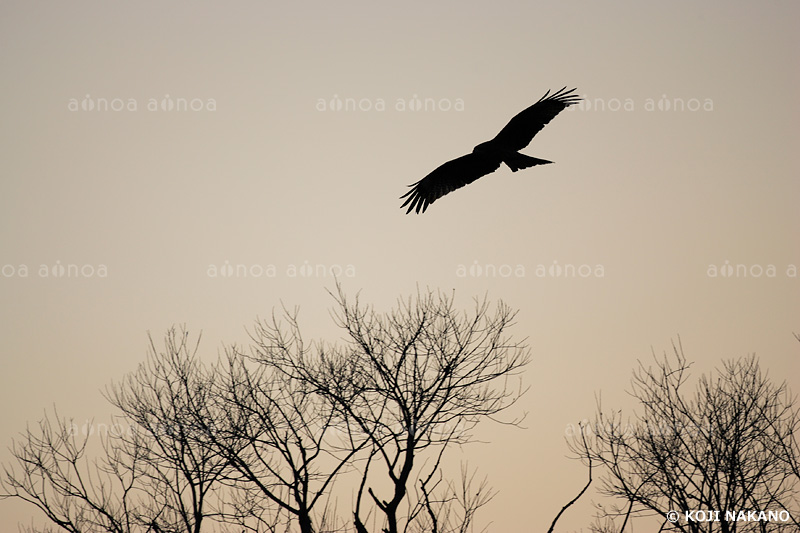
[(729, 447), (451, 509), (282, 439), (180, 470), (414, 381), (154, 473), (53, 473), (260, 440)]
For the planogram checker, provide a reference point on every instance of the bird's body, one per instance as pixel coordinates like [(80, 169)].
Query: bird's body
[(488, 156)]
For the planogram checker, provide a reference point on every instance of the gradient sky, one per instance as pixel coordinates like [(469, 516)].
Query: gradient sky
[(267, 173)]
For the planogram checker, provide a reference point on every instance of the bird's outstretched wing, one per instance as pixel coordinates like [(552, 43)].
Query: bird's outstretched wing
[(520, 130), (449, 177)]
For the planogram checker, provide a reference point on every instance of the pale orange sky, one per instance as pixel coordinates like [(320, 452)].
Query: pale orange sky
[(263, 175)]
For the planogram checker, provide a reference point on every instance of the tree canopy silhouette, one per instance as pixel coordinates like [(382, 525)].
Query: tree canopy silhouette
[(273, 437), (730, 446), (412, 383), (487, 156)]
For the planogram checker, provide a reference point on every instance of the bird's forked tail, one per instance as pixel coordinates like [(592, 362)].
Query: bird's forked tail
[(516, 161)]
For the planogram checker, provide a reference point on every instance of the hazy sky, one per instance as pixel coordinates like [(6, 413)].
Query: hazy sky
[(147, 146)]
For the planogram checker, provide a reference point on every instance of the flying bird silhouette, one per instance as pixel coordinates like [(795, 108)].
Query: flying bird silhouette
[(487, 157)]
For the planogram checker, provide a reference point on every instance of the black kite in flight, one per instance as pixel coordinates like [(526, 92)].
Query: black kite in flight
[(486, 157)]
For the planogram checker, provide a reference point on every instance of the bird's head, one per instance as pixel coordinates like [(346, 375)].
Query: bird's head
[(484, 147)]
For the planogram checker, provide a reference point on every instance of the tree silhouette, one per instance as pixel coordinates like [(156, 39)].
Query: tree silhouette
[(155, 473), (280, 437), (53, 473), (268, 438), (730, 446), (180, 471), (414, 381)]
